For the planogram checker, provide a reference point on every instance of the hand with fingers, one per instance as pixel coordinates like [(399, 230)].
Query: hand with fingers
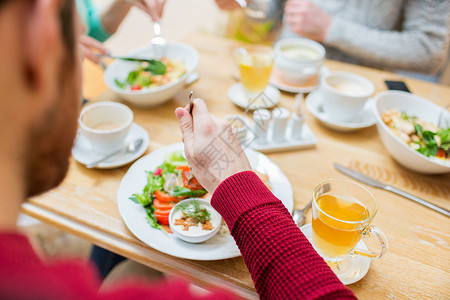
[(153, 7), (208, 142), (89, 47), (307, 19), (227, 4)]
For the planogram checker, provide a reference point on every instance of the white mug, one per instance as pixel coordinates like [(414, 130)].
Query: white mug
[(344, 95), (106, 125), (298, 59)]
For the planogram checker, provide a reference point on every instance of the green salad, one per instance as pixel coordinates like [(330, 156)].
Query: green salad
[(424, 137), (152, 74), (167, 185)]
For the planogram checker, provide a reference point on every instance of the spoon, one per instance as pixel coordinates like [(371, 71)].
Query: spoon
[(299, 214), (157, 41), (130, 148)]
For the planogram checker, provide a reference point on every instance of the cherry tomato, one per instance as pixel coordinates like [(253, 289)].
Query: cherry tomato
[(136, 87), (158, 172), (164, 197), (440, 153)]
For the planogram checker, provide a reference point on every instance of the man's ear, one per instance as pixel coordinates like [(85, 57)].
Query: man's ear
[(43, 47)]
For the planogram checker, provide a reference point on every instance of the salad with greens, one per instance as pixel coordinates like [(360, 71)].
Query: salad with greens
[(152, 74), (424, 137), (166, 186)]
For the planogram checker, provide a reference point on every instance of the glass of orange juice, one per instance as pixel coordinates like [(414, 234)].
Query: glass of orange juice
[(255, 66), (342, 211)]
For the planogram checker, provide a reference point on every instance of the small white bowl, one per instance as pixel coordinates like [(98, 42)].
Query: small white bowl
[(154, 96), (195, 237), (296, 70), (399, 150)]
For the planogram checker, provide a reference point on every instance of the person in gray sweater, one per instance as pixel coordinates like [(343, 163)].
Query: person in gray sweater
[(410, 35)]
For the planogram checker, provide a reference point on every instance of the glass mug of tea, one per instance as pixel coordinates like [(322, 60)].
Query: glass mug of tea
[(255, 66), (342, 211)]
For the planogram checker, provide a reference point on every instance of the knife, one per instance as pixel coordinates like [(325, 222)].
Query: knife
[(377, 184)]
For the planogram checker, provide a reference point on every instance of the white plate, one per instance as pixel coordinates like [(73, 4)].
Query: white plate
[(276, 79), (267, 99), (358, 265), (218, 247), (366, 117), (83, 153)]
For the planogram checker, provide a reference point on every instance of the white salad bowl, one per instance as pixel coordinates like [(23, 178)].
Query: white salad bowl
[(148, 97), (415, 106), (198, 237)]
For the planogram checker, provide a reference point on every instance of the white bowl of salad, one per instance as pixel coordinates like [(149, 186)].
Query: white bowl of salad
[(194, 220), (415, 131), (152, 83)]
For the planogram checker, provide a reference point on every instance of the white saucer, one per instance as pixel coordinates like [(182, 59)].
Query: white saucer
[(267, 99), (276, 79), (83, 153), (366, 117), (359, 265)]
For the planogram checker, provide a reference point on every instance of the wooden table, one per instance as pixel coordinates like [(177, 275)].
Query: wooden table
[(418, 262)]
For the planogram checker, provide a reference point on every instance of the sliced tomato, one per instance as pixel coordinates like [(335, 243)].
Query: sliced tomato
[(162, 218), (136, 87), (164, 197), (163, 205), (440, 153), (184, 168)]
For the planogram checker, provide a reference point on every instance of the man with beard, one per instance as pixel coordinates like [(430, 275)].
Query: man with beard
[(39, 102)]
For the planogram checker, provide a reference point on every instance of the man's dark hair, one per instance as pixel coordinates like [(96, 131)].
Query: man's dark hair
[(67, 23)]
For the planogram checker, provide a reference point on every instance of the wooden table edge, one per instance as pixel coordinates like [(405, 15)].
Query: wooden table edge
[(135, 252)]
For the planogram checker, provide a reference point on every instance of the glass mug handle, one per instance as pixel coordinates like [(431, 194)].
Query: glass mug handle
[(381, 238)]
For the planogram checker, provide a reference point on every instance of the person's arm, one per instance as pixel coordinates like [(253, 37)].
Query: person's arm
[(114, 14), (421, 46), (281, 261)]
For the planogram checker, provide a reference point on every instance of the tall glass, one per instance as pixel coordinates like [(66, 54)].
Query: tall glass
[(255, 66)]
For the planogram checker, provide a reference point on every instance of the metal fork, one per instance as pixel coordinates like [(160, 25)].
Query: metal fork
[(158, 42), (190, 108)]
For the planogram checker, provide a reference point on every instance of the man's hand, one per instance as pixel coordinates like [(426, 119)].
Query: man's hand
[(307, 19), (212, 150), (89, 46), (153, 7)]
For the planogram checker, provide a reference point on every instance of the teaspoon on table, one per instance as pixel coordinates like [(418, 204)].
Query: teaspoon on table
[(299, 214), (130, 148)]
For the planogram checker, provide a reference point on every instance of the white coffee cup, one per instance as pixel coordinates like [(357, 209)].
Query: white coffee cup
[(344, 95), (106, 125), (298, 59)]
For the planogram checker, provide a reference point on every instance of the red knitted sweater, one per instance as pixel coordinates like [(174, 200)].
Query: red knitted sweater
[(281, 261)]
